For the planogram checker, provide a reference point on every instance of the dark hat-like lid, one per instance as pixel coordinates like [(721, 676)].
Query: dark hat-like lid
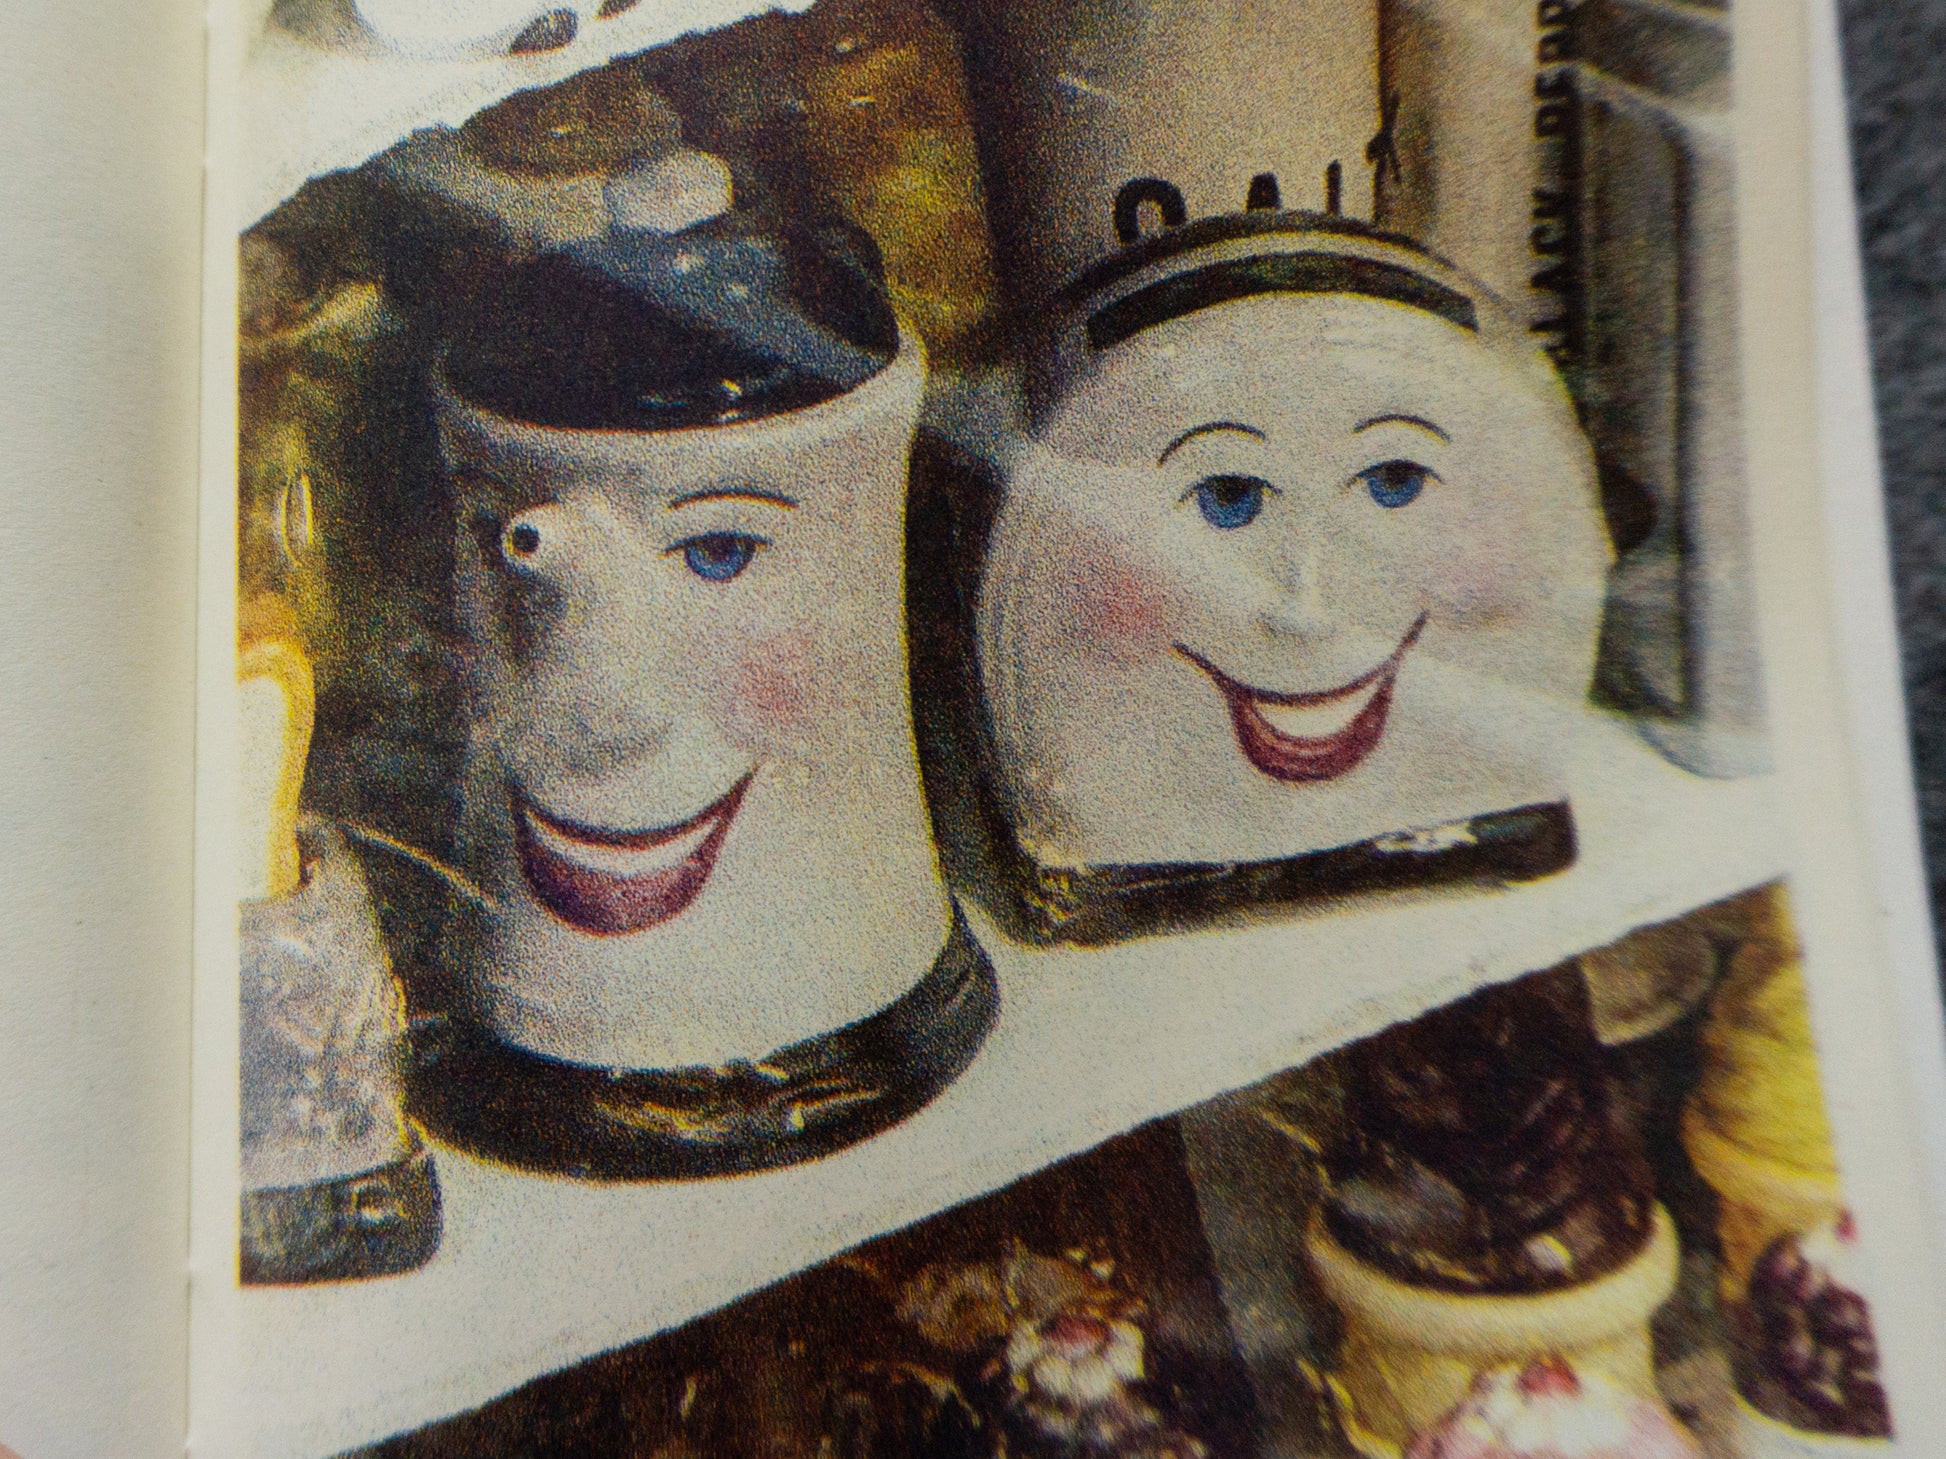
[(1190, 266), (1344, 256), (724, 321)]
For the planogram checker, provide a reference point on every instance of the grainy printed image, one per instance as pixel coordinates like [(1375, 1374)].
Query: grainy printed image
[(759, 553), (1592, 1212)]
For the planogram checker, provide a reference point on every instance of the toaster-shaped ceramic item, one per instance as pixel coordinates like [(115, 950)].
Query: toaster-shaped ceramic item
[(1295, 572)]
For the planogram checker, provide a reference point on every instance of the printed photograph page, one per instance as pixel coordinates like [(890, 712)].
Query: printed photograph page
[(1057, 730)]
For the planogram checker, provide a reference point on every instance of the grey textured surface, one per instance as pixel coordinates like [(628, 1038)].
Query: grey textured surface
[(1895, 63)]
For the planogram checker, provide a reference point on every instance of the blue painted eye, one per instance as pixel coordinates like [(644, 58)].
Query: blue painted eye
[(1396, 483), (719, 556), (1229, 502)]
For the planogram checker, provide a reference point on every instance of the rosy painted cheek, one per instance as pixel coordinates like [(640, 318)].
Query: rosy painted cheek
[(1483, 575), (1479, 592), (770, 692), (1118, 611)]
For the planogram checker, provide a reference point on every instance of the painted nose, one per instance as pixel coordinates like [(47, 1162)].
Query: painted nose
[(598, 691), (594, 657), (541, 547), (601, 736), (539, 559), (1296, 607)]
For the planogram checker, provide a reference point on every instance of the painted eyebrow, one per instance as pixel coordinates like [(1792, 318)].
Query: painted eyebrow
[(1203, 430), (1404, 420), (733, 494)]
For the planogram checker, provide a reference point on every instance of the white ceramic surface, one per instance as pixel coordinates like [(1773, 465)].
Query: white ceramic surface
[(693, 793), (435, 29), (1287, 572)]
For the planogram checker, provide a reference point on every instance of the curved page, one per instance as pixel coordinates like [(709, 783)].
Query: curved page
[(1032, 729)]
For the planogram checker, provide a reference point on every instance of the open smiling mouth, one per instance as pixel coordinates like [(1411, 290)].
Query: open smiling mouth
[(1315, 736), (613, 882)]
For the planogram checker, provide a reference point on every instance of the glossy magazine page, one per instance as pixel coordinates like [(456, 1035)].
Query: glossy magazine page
[(1037, 730)]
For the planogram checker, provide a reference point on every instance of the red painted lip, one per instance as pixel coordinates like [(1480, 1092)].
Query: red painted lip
[(1298, 759), (610, 902)]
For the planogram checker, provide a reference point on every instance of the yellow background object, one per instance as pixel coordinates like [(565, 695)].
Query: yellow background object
[(274, 748), (1760, 1087), (1756, 1127), (1410, 1353)]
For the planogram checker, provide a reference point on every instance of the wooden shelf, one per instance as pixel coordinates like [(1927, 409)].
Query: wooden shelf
[(535, 1273), (315, 108)]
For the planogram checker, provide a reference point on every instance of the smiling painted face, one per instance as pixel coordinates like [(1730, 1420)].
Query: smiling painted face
[(1287, 573), (692, 792)]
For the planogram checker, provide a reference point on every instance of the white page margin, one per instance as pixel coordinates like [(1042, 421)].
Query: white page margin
[(100, 187)]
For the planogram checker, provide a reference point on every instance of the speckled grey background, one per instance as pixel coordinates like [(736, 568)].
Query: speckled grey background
[(1895, 63)]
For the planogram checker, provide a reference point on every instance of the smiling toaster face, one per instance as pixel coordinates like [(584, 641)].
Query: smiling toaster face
[(1284, 574)]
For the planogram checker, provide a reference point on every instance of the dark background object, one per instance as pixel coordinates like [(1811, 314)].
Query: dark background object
[(1895, 70), (1485, 1152), (835, 1352)]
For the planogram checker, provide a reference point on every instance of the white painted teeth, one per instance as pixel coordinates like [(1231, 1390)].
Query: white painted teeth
[(620, 861), (1316, 721)]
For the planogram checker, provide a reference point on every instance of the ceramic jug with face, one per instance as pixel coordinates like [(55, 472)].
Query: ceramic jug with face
[(715, 935)]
